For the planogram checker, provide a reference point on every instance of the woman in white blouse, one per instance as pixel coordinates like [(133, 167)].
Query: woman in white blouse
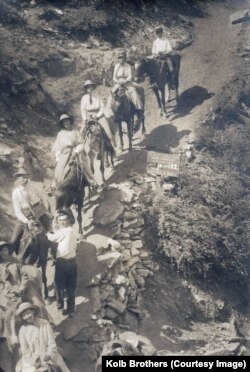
[(37, 342), (123, 76), (68, 142), (92, 106)]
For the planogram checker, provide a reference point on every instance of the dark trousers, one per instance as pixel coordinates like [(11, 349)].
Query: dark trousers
[(65, 279), (19, 229), (17, 235)]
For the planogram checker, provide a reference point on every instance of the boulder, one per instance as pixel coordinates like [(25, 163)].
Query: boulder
[(111, 258), (140, 281), (134, 252), (144, 255), (135, 233), (137, 244), (108, 212), (84, 335), (110, 314), (129, 215), (130, 224), (122, 235), (117, 306), (143, 272), (72, 329), (132, 261), (240, 16), (120, 280)]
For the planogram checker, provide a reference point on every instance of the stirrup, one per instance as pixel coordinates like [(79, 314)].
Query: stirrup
[(50, 192)]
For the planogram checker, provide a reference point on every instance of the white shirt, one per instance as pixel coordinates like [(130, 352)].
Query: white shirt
[(95, 106), (122, 73), (23, 198), (161, 46), (66, 238)]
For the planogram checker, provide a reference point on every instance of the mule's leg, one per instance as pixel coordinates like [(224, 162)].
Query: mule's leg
[(156, 92), (142, 118), (120, 134), (167, 94), (107, 163), (79, 211), (91, 161), (130, 132), (44, 279), (163, 102), (112, 159), (102, 168)]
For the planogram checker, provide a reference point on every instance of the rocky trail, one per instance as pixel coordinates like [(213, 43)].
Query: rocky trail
[(122, 284)]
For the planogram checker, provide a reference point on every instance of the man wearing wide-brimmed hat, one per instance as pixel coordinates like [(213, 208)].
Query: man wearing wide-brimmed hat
[(92, 106), (29, 204)]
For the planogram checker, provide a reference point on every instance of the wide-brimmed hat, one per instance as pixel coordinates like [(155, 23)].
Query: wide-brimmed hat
[(65, 117), (26, 306), (66, 212), (21, 172), (158, 29), (89, 83)]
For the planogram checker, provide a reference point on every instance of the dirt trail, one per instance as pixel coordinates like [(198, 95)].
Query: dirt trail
[(206, 66)]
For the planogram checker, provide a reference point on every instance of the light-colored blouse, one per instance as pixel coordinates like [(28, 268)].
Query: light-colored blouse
[(122, 73), (37, 341)]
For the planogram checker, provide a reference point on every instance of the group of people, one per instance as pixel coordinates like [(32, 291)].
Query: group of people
[(24, 319)]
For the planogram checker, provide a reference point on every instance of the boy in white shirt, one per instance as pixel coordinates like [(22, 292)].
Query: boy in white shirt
[(161, 46)]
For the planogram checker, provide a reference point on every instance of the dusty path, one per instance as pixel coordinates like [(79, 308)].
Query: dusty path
[(206, 66)]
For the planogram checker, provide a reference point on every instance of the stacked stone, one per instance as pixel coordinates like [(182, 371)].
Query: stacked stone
[(119, 289)]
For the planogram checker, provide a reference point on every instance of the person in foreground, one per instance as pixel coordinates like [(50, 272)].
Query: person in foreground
[(65, 268), (37, 342)]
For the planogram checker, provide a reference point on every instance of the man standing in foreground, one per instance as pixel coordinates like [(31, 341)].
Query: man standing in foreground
[(65, 267)]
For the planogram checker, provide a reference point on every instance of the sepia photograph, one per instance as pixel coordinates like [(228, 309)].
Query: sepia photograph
[(124, 185)]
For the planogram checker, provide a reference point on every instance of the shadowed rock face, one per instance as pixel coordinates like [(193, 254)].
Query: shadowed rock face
[(108, 213)]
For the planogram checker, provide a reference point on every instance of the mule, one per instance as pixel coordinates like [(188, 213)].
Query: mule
[(72, 190), (160, 77), (123, 110), (99, 146)]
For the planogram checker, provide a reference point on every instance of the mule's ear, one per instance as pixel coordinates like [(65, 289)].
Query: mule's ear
[(130, 62)]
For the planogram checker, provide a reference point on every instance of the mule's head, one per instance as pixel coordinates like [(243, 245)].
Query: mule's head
[(140, 69)]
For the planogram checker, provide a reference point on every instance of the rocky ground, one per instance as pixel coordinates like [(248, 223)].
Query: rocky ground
[(122, 284)]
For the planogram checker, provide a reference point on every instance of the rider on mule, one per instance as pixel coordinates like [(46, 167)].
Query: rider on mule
[(66, 147), (162, 48), (92, 107), (122, 77), (29, 204)]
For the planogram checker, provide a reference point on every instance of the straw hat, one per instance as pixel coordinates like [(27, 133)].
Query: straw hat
[(89, 83), (26, 306), (158, 29), (64, 117)]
